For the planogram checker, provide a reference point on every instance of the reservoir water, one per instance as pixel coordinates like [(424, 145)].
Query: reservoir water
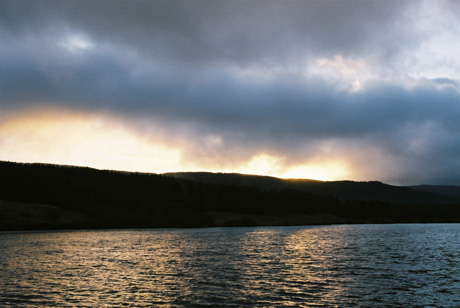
[(414, 265)]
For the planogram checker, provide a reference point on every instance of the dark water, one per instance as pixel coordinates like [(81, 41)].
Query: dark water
[(333, 266)]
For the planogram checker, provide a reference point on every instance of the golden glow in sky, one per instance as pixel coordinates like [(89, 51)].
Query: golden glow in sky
[(296, 97), (326, 171), (107, 142), (93, 140)]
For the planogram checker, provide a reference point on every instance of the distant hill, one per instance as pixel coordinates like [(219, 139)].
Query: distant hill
[(369, 191), (450, 191), (45, 196)]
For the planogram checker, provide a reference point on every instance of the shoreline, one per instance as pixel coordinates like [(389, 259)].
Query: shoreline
[(235, 220)]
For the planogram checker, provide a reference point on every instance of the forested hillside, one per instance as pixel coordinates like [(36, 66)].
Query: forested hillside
[(345, 190), (90, 198)]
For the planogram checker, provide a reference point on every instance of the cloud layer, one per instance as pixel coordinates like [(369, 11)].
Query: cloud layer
[(370, 85)]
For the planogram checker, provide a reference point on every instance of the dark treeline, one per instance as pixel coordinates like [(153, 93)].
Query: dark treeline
[(112, 199)]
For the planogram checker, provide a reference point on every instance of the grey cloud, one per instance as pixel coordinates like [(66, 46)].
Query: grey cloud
[(220, 31), (447, 81), (279, 118), (314, 108), (170, 62)]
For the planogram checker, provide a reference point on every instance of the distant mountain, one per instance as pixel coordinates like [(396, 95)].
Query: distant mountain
[(344, 190)]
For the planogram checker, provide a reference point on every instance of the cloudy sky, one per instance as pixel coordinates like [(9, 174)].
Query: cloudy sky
[(360, 90)]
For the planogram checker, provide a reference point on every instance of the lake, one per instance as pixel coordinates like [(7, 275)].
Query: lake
[(412, 265)]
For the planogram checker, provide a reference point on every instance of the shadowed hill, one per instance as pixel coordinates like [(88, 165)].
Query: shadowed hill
[(44, 196), (445, 190), (26, 216), (370, 191)]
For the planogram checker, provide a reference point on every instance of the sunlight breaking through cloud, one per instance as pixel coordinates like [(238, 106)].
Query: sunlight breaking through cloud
[(184, 85), (83, 139)]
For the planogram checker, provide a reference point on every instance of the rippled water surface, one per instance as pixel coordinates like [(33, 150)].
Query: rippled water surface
[(343, 266)]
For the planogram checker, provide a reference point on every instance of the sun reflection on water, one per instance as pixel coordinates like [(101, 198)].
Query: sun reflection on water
[(337, 266)]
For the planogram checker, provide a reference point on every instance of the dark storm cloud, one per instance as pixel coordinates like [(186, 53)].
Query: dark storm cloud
[(219, 31), (312, 107), (189, 63)]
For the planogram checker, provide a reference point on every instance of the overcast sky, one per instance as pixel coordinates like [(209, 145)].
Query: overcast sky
[(360, 90)]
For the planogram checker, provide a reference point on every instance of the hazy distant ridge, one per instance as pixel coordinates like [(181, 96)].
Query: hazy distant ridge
[(445, 190), (369, 191)]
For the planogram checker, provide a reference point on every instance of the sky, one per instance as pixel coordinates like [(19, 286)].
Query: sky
[(328, 90)]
